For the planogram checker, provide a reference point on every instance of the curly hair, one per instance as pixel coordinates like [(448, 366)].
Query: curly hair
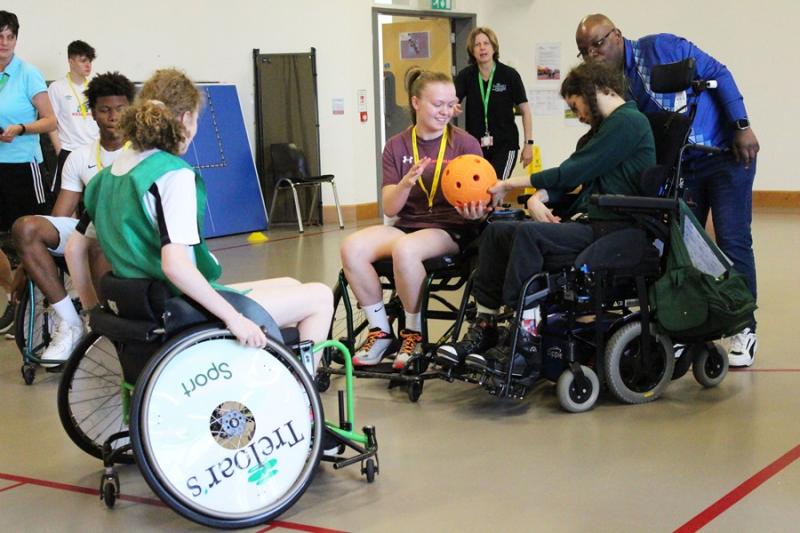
[(588, 78), (109, 84), (491, 35), (154, 120)]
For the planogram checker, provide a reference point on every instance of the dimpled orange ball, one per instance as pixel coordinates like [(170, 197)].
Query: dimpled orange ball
[(467, 178)]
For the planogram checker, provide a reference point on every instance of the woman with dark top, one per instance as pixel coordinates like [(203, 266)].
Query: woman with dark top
[(492, 89)]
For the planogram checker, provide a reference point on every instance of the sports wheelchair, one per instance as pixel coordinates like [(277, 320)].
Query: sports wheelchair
[(597, 328), (227, 436), (31, 319), (444, 274)]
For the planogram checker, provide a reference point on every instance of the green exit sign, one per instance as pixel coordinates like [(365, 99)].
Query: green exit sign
[(442, 5)]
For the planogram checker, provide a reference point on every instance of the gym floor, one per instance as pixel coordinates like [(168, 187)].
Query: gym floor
[(460, 460)]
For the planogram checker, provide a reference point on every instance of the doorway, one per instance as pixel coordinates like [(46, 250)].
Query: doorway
[(403, 39)]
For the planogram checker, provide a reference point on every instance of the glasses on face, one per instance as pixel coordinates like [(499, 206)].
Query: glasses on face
[(594, 45)]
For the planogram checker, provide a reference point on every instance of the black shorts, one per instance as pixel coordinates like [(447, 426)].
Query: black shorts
[(461, 235), (55, 187), (23, 191)]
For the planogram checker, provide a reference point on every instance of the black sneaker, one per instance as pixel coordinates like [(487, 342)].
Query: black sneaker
[(480, 336), (526, 361)]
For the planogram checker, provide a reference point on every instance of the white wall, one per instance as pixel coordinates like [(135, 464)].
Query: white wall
[(755, 39), (213, 41)]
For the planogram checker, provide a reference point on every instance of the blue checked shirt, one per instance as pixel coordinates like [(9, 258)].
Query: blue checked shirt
[(717, 108)]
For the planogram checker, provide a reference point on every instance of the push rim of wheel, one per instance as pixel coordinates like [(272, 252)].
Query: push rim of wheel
[(90, 400), (228, 432)]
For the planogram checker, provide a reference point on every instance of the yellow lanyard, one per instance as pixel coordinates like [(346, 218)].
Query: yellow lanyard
[(97, 154), (437, 171), (78, 98)]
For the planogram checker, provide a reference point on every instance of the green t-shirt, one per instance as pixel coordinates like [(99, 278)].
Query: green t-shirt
[(610, 163)]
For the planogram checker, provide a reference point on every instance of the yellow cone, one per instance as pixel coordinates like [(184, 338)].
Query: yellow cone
[(257, 237)]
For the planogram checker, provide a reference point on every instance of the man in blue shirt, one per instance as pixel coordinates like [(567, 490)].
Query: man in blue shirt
[(722, 183)]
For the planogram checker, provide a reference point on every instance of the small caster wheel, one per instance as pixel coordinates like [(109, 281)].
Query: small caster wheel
[(414, 390), (28, 373), (323, 382), (577, 395), (369, 469), (710, 365), (109, 489)]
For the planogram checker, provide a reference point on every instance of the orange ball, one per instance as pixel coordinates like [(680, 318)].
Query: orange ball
[(467, 178)]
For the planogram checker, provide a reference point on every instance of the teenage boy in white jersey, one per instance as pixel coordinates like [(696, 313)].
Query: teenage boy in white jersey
[(76, 125), (38, 238)]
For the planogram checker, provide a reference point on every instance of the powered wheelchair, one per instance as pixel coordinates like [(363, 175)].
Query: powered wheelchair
[(597, 326), (225, 435)]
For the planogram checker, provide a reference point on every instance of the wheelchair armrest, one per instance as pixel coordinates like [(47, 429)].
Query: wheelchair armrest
[(633, 203), (118, 329), (704, 148)]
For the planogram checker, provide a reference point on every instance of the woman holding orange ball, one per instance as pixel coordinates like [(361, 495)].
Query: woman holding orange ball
[(426, 226)]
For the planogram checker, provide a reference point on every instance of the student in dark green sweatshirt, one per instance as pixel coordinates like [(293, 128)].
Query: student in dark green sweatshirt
[(511, 252)]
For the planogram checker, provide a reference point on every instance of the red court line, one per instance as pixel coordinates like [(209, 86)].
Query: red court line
[(12, 486), (739, 492), (22, 480)]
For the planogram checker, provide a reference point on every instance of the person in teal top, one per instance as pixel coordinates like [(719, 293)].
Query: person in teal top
[(147, 212), (611, 162), (25, 112)]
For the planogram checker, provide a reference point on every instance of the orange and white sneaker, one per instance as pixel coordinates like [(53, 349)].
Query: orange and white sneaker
[(374, 348), (411, 344)]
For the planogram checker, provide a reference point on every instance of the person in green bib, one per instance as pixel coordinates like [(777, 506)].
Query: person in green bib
[(147, 211)]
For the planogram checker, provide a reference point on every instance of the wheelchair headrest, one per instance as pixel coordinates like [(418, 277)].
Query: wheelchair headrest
[(673, 77), (135, 299)]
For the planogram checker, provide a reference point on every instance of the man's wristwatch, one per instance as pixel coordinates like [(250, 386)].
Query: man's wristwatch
[(529, 142), (741, 124), (24, 129)]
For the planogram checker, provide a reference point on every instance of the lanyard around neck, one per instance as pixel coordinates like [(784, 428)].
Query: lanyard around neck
[(97, 154), (485, 94), (81, 102), (437, 171)]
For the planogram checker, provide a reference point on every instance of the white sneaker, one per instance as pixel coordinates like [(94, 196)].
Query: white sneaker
[(374, 348), (65, 339), (743, 348)]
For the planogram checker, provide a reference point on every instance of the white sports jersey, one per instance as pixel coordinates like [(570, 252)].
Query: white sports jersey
[(81, 165), (74, 130)]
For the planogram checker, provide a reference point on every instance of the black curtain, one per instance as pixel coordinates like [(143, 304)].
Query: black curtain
[(286, 112)]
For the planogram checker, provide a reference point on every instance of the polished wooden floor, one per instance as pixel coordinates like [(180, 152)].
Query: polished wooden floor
[(461, 460)]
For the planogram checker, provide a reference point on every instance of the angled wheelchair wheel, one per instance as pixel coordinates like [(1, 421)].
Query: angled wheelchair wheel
[(90, 396), (33, 309), (709, 364), (227, 436), (635, 377)]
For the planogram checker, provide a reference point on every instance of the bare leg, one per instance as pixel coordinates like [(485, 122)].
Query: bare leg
[(307, 305), (32, 237), (407, 257), (6, 277), (359, 251)]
